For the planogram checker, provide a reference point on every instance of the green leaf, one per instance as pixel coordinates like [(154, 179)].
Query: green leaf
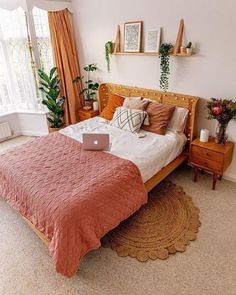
[(53, 94), (53, 70), (44, 76)]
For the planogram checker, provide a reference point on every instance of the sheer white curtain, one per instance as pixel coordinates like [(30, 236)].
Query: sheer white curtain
[(24, 47)]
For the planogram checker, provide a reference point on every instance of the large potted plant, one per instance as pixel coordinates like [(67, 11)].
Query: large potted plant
[(50, 87), (90, 87), (165, 50), (223, 110)]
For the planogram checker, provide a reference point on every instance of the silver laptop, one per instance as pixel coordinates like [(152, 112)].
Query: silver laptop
[(96, 142)]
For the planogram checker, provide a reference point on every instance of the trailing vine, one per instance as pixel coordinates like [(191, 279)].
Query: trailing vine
[(108, 53), (165, 65)]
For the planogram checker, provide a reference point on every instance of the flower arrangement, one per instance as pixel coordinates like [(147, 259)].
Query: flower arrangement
[(223, 110)]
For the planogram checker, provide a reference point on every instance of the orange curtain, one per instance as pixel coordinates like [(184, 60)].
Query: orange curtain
[(66, 60)]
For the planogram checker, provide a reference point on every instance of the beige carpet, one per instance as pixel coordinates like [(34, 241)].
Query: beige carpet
[(163, 226), (207, 267)]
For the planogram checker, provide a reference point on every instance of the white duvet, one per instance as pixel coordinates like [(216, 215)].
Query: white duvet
[(150, 153)]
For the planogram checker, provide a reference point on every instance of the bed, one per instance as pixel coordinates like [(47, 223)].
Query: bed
[(181, 100), (53, 177)]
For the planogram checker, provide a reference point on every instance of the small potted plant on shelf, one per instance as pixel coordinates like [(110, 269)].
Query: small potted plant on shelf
[(108, 53), (223, 110), (90, 88), (189, 48), (165, 50), (50, 87)]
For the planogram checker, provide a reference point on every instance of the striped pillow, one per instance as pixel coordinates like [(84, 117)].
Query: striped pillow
[(128, 119)]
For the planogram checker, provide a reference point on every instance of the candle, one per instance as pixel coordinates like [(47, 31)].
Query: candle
[(204, 135), (95, 105)]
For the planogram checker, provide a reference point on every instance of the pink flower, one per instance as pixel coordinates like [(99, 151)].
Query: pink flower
[(217, 111)]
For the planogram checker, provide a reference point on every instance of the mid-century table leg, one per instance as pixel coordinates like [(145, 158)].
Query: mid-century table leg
[(215, 177), (220, 177), (195, 174)]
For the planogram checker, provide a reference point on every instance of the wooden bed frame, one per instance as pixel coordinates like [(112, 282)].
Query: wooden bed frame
[(180, 100)]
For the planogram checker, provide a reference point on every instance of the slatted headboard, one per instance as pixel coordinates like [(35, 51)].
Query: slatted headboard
[(181, 100)]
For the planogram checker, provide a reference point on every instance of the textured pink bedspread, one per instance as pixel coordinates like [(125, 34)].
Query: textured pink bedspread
[(73, 196)]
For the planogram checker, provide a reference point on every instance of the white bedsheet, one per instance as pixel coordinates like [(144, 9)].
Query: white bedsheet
[(150, 153)]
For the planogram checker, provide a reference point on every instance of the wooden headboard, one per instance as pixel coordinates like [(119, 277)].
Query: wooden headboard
[(180, 100)]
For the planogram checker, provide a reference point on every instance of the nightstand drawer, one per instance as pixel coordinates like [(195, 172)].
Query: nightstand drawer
[(207, 154), (87, 114), (210, 164)]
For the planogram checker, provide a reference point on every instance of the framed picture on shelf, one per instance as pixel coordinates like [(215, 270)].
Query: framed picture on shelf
[(153, 39), (133, 36)]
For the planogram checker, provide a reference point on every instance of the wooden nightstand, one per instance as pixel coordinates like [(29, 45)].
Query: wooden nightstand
[(210, 156), (84, 114)]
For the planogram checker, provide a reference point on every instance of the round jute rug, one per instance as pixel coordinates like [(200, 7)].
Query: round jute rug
[(165, 225)]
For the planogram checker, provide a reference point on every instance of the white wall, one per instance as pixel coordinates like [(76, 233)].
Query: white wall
[(30, 124), (210, 25)]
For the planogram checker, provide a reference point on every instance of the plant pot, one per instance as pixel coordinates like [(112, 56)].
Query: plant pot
[(51, 129), (189, 50), (182, 50)]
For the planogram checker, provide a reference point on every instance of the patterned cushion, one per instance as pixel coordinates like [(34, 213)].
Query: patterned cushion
[(128, 119)]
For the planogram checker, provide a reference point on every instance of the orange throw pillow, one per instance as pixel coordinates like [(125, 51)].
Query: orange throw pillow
[(159, 116), (114, 101)]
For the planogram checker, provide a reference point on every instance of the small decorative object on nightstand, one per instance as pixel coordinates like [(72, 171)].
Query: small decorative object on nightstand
[(87, 114), (210, 156)]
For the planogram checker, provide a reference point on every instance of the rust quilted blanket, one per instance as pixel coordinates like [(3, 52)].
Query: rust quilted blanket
[(73, 196)]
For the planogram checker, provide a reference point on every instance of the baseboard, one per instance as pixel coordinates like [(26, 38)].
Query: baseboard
[(16, 134), (33, 133), (230, 176)]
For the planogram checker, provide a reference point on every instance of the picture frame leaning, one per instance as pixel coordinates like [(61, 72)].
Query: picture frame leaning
[(152, 40), (133, 36)]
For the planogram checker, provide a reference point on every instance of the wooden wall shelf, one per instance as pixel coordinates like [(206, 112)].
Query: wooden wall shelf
[(152, 54)]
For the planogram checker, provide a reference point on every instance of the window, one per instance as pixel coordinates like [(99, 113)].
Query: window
[(24, 48)]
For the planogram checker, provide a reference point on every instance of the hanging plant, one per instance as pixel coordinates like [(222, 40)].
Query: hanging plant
[(108, 53), (165, 65)]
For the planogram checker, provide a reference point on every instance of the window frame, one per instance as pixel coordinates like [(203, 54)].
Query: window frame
[(35, 64)]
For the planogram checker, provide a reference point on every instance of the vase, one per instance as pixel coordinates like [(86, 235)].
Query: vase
[(221, 134)]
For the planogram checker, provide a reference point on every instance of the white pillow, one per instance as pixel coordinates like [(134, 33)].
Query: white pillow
[(128, 119), (131, 99), (178, 120)]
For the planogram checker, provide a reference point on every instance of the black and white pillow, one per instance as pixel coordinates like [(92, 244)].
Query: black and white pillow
[(128, 119)]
